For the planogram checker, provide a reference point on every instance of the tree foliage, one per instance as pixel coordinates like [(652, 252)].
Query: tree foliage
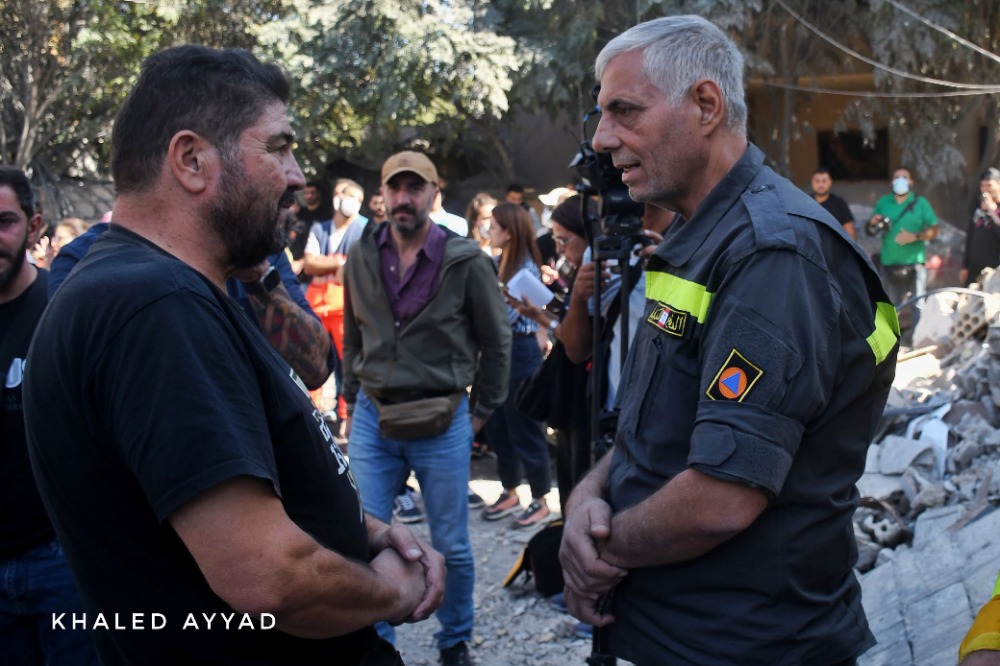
[(457, 76), (65, 66)]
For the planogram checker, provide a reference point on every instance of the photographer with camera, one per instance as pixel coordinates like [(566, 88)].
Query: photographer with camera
[(719, 527), (579, 338), (907, 222)]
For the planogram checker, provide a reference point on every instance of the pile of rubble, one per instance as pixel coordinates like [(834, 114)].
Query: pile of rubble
[(928, 532)]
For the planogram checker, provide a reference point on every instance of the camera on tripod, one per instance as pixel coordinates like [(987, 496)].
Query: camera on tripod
[(617, 226), (613, 229)]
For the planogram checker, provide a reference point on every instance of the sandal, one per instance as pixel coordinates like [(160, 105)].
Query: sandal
[(536, 514), (504, 506)]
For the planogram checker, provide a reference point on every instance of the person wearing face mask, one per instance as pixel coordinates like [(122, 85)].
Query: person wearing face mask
[(479, 214), (325, 257), (908, 222)]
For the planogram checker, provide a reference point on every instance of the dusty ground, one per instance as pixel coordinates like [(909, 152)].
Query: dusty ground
[(513, 626)]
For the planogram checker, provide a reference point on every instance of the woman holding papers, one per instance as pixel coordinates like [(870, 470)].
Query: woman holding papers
[(518, 440)]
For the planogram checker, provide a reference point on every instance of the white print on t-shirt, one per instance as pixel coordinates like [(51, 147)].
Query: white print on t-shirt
[(328, 436), (15, 373), (338, 454), (298, 381)]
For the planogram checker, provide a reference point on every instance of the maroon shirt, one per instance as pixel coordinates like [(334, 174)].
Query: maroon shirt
[(411, 292)]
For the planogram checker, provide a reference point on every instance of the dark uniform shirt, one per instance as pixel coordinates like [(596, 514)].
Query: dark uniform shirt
[(764, 357)]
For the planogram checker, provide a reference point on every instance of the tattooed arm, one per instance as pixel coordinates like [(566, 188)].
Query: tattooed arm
[(294, 332)]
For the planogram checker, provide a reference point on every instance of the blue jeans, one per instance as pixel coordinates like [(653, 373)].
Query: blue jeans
[(519, 440), (441, 463), (33, 587)]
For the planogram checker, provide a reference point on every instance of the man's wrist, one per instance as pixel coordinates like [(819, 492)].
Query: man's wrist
[(265, 284)]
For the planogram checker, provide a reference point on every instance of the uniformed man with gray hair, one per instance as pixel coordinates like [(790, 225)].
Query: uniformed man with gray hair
[(719, 529)]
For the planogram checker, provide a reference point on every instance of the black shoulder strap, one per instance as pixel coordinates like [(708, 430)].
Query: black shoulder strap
[(909, 206)]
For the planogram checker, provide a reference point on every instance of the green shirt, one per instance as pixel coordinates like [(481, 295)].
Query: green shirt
[(918, 218)]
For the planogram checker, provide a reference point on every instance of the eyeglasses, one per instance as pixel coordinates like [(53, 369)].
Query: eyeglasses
[(561, 242)]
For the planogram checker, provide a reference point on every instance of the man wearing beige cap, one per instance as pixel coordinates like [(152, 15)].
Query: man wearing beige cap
[(422, 314)]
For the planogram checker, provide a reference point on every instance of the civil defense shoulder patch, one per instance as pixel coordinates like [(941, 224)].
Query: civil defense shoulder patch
[(735, 379), (669, 320)]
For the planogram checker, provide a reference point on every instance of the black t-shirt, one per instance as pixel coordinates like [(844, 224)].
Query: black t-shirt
[(164, 389), (838, 208), (982, 243), (23, 522)]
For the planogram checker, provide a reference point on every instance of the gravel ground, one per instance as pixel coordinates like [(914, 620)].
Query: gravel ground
[(514, 626)]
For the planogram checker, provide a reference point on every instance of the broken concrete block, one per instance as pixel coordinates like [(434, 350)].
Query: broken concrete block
[(897, 454), (993, 339), (936, 319), (868, 551), (879, 486), (886, 556), (933, 523), (880, 598), (871, 458), (892, 650), (937, 623), (962, 409), (885, 531), (921, 491), (962, 455)]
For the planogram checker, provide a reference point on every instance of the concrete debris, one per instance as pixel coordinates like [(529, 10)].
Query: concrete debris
[(928, 528)]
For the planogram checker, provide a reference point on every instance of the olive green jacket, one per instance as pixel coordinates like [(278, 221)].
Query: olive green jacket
[(461, 329)]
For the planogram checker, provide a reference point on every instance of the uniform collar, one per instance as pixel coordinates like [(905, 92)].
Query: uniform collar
[(685, 236)]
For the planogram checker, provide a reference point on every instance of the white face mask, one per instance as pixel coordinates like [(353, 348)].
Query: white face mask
[(901, 186), (350, 207)]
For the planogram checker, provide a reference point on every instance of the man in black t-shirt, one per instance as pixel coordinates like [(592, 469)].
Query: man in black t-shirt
[(36, 580), (821, 184), (318, 208), (204, 508)]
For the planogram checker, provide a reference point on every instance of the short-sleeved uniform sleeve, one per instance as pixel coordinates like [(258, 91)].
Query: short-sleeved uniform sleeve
[(760, 377), (199, 422)]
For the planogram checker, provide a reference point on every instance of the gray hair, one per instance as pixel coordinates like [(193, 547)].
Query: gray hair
[(677, 52)]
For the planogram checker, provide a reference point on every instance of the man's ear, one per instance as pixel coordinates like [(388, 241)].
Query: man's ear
[(34, 229), (192, 161), (711, 104)]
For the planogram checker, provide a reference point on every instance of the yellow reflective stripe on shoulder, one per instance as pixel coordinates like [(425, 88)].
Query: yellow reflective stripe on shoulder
[(679, 293), (886, 332)]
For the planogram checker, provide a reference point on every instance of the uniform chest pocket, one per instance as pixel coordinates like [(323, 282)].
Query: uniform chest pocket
[(661, 395)]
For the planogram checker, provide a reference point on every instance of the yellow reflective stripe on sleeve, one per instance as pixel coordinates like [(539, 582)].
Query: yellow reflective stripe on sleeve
[(886, 332), (679, 293), (694, 298), (996, 588)]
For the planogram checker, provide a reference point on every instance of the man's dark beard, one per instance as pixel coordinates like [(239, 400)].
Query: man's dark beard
[(244, 220), (408, 228), (17, 261)]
